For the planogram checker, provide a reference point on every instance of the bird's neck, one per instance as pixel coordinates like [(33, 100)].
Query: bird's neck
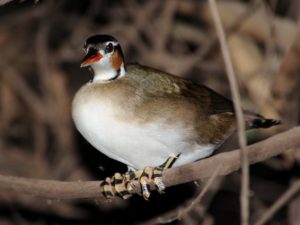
[(106, 74)]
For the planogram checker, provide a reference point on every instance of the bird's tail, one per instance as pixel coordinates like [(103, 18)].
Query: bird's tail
[(257, 121), (264, 123)]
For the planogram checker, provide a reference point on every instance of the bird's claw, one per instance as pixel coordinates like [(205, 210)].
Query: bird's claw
[(123, 185), (150, 176)]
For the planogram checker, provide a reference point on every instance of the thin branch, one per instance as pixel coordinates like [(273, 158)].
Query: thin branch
[(295, 188), (16, 81), (201, 194), (229, 162), (3, 2), (184, 210), (244, 197), (165, 25)]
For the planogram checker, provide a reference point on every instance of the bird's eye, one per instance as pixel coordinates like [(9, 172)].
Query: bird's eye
[(109, 48)]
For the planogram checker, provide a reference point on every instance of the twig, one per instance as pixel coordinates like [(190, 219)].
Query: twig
[(17, 82), (182, 211), (293, 210), (244, 197), (201, 194), (231, 29), (279, 203), (200, 209), (285, 87), (3, 2), (229, 162), (165, 25)]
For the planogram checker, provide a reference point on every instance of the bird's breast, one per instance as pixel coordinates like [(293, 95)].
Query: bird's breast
[(95, 115), (113, 126)]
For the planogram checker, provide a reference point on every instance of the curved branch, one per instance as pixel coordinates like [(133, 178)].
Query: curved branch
[(229, 162)]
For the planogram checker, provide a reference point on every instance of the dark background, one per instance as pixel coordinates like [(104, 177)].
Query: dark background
[(41, 48)]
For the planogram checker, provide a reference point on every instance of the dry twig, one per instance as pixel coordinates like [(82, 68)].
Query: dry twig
[(183, 211), (239, 113), (3, 2), (295, 188)]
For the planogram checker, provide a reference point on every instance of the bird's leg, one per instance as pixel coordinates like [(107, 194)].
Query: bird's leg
[(122, 185), (154, 175)]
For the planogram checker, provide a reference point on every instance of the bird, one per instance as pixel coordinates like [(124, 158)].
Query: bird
[(149, 119)]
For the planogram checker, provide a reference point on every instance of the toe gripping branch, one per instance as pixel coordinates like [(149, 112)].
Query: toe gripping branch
[(122, 185)]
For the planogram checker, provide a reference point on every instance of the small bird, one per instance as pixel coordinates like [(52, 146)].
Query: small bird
[(148, 119)]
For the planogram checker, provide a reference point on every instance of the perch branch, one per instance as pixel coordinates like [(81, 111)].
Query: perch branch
[(228, 161)]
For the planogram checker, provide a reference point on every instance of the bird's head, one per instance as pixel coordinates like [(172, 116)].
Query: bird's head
[(104, 55)]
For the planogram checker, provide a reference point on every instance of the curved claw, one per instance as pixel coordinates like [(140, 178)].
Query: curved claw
[(129, 177), (145, 180), (120, 186), (157, 179), (155, 175)]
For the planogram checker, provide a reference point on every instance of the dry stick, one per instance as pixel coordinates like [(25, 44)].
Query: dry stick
[(3, 2), (239, 114), (228, 161), (182, 212), (279, 203), (207, 48), (185, 210), (25, 92), (163, 31)]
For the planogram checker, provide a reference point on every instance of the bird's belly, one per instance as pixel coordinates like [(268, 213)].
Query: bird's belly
[(135, 144)]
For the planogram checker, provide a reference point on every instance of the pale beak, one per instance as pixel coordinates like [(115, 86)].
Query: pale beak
[(92, 56)]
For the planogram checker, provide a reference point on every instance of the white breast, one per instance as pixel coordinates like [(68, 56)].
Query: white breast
[(133, 144)]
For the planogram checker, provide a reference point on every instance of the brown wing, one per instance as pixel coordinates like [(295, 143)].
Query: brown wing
[(207, 98), (159, 84)]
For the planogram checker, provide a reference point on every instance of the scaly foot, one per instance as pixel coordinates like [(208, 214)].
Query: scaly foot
[(122, 185), (154, 175), (116, 185)]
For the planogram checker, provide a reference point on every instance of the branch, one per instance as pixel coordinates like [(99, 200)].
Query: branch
[(3, 2), (185, 209), (281, 201), (244, 196), (228, 161)]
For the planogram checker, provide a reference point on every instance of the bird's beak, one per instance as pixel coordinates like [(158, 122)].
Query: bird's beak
[(92, 56)]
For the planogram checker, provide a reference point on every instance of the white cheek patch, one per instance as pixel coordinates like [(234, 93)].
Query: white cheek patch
[(102, 52), (103, 69)]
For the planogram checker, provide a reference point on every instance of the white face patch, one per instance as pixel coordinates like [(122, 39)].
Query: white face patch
[(103, 69)]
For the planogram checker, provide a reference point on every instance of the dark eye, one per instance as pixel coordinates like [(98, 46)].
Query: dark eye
[(109, 48)]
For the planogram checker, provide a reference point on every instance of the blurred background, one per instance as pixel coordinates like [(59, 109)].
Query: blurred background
[(41, 48)]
